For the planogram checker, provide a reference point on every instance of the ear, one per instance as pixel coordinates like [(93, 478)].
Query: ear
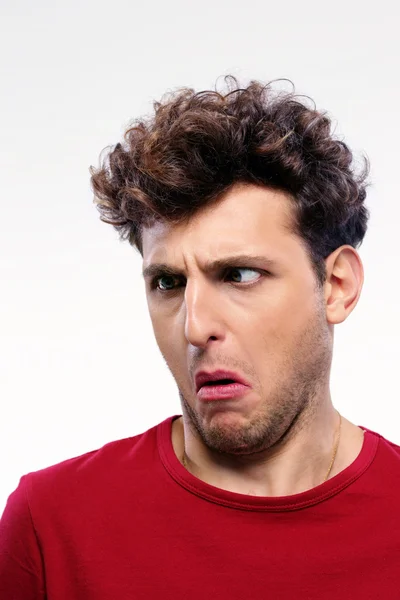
[(343, 285)]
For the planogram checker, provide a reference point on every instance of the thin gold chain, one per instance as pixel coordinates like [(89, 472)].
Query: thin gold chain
[(333, 456), (336, 447)]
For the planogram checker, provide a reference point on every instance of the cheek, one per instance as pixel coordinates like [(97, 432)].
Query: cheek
[(268, 316), (277, 326), (166, 335), (161, 332)]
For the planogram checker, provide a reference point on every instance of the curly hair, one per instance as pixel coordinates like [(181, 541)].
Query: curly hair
[(197, 145)]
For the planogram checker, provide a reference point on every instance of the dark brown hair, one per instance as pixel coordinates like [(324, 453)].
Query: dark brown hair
[(197, 145)]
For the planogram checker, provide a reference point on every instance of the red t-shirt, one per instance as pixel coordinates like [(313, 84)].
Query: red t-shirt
[(128, 521)]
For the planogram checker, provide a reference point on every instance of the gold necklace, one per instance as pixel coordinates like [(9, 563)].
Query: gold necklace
[(333, 455), (336, 447)]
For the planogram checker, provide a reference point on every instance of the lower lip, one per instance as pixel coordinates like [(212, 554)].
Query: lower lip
[(207, 393)]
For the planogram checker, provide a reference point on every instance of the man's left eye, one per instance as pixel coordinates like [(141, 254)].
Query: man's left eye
[(243, 275)]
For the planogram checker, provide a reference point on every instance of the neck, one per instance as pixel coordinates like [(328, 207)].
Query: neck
[(298, 463)]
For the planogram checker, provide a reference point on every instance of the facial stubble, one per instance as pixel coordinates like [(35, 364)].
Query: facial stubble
[(286, 408)]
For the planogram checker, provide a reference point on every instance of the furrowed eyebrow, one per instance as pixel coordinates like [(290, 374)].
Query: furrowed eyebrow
[(242, 260), (159, 269)]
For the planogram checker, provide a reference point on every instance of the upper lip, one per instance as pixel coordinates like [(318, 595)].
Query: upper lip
[(203, 377)]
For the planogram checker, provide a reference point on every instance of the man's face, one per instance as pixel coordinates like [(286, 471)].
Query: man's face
[(261, 317)]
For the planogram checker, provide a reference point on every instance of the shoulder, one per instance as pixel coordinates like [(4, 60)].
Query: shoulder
[(383, 441), (389, 448), (387, 457), (92, 471)]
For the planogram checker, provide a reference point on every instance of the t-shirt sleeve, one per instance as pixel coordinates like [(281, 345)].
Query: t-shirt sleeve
[(21, 566)]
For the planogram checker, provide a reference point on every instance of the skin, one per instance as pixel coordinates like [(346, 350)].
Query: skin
[(266, 319)]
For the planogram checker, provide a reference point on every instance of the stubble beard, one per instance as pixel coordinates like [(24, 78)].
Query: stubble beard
[(287, 408)]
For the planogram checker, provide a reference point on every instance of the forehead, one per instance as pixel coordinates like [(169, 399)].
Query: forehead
[(246, 218)]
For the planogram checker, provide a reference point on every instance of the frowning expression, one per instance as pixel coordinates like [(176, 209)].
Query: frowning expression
[(233, 290)]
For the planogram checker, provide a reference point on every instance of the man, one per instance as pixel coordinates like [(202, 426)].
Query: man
[(247, 213)]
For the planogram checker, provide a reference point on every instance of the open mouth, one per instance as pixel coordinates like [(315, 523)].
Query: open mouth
[(219, 382)]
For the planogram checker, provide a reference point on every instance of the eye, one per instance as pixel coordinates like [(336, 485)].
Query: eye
[(165, 283), (243, 275)]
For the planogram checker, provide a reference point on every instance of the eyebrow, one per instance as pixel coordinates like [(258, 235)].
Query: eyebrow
[(242, 260)]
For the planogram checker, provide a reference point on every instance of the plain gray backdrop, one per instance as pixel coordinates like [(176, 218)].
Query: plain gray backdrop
[(79, 366)]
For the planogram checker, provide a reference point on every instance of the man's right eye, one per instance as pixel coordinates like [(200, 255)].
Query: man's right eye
[(165, 283)]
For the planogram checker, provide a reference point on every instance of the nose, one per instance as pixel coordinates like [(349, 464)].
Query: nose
[(204, 321)]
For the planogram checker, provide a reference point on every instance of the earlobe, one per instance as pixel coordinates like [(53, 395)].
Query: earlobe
[(344, 281)]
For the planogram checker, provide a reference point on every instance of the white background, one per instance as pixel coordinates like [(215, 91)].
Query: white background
[(79, 366)]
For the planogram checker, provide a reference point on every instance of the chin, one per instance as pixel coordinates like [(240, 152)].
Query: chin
[(232, 433), (241, 428)]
